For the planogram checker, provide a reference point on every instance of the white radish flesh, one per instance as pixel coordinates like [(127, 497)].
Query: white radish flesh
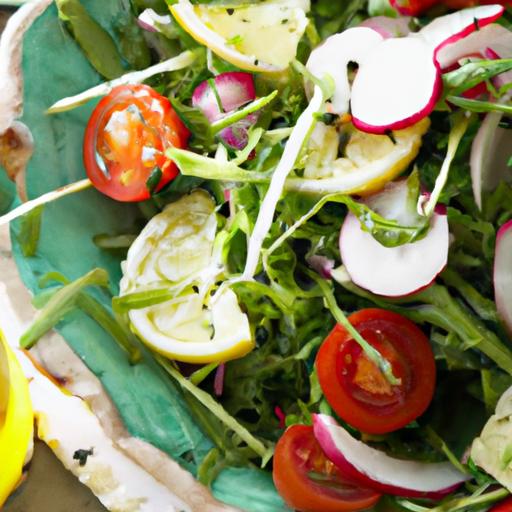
[(334, 55), (492, 37), (503, 274), (396, 86), (377, 470), (394, 271), (490, 153), (449, 29)]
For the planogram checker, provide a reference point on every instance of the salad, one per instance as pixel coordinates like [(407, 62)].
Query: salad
[(279, 234)]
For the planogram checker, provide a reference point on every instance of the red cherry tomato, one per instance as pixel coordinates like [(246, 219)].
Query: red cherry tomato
[(503, 506), (308, 481), (356, 388), (125, 140)]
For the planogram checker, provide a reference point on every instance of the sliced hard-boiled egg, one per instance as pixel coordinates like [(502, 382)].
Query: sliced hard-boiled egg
[(16, 420), (369, 161), (255, 37), (177, 251)]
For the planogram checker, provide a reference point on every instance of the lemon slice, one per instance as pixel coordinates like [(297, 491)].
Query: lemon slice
[(256, 37), (368, 163), (16, 420), (177, 250)]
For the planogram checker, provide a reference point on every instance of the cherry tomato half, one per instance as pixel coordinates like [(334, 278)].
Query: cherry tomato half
[(356, 388), (308, 481), (503, 506), (125, 140)]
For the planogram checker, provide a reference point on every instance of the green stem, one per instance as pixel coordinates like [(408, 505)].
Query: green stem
[(479, 106), (374, 355), (60, 304), (484, 307), (463, 503), (215, 408), (199, 375), (94, 309), (238, 115)]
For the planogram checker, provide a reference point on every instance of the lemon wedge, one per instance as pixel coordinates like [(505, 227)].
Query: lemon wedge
[(256, 37), (177, 250), (369, 161), (16, 420)]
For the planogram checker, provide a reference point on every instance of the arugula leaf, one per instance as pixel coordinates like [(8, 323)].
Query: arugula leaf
[(473, 73), (131, 39), (97, 44), (479, 106)]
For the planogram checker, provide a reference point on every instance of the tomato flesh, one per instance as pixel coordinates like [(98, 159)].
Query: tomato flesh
[(356, 388), (309, 482), (503, 506), (125, 141)]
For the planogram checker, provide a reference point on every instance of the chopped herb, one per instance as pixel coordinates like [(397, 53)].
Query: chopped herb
[(82, 455)]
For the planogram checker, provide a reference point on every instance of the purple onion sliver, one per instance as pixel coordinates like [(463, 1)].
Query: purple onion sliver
[(322, 265), (234, 89), (218, 383)]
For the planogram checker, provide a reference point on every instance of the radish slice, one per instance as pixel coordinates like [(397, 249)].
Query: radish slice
[(374, 469), (149, 20), (493, 42), (396, 86), (389, 27), (449, 29), (399, 82), (232, 90), (334, 55), (393, 271), (490, 153), (503, 274)]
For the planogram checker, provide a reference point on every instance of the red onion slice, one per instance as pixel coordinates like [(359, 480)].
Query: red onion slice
[(232, 90), (218, 382)]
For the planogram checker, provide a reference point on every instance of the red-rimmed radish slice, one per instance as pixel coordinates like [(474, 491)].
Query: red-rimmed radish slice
[(389, 27), (397, 86), (334, 55), (234, 89), (492, 42), (149, 20), (399, 82), (503, 274), (376, 470), (394, 271), (451, 28), (490, 153)]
